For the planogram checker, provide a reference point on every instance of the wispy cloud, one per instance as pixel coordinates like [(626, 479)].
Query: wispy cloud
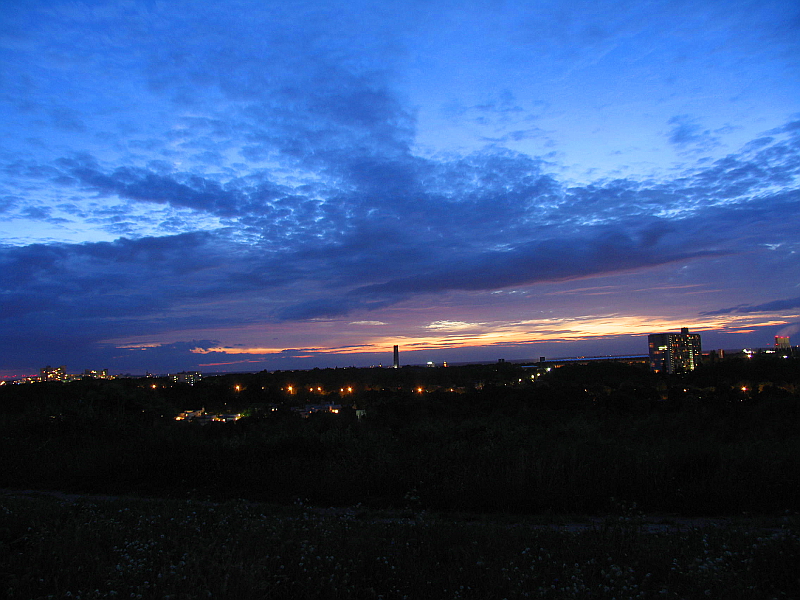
[(773, 306)]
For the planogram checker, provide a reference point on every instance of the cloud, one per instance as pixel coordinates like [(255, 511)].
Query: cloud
[(329, 307), (548, 260), (194, 192), (67, 119), (687, 133), (389, 229), (518, 135), (453, 326), (7, 203), (773, 306), (192, 346), (126, 278)]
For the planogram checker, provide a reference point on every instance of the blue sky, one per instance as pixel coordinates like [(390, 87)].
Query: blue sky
[(245, 185)]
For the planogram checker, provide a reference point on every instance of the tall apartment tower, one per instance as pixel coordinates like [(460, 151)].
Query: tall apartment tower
[(190, 377), (396, 363), (49, 373), (674, 352)]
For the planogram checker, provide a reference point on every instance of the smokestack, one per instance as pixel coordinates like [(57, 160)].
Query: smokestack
[(396, 357)]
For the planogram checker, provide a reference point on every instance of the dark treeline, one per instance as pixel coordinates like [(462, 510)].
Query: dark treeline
[(724, 439)]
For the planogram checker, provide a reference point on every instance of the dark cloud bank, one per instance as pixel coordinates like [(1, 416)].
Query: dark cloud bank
[(387, 230)]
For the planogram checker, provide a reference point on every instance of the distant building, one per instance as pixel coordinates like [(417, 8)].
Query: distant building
[(674, 352), (189, 415), (396, 363), (628, 359), (310, 409), (190, 377), (782, 342), (49, 373), (92, 374)]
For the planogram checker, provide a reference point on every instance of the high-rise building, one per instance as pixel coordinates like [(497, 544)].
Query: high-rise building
[(396, 363), (190, 377), (674, 352), (49, 373)]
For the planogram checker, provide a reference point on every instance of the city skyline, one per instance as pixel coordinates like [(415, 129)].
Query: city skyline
[(655, 359), (236, 186)]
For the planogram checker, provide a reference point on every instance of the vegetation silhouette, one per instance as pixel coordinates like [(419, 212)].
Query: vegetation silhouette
[(723, 439)]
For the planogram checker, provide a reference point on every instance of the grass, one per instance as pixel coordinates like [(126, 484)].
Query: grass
[(169, 549)]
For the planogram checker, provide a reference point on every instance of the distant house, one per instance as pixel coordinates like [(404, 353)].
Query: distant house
[(188, 415), (228, 418), (310, 409), (200, 416)]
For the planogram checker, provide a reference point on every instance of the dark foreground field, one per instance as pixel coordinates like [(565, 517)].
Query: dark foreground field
[(439, 454), (73, 547), (384, 496)]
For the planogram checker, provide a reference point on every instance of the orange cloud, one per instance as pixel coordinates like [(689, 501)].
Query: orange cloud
[(439, 335)]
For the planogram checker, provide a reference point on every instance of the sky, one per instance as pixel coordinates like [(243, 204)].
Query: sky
[(238, 186)]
